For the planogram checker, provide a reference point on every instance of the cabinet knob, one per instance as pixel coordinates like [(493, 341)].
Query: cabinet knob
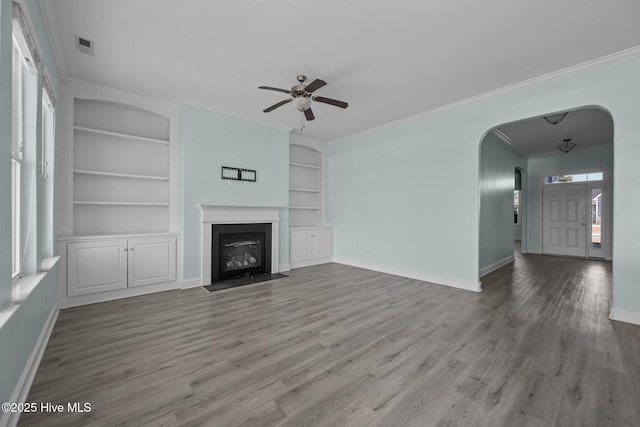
[(125, 249)]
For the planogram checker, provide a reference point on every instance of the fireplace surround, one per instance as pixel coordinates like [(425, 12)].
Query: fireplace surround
[(234, 215)]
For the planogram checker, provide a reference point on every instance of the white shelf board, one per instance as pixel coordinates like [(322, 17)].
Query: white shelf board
[(95, 203), (120, 175), (304, 165), (311, 208), (122, 136), (305, 190)]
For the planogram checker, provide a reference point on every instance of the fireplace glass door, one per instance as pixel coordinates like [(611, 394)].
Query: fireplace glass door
[(243, 252), (240, 250)]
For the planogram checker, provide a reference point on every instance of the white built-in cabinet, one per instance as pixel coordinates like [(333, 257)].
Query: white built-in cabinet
[(119, 212), (310, 237), (112, 264), (310, 246)]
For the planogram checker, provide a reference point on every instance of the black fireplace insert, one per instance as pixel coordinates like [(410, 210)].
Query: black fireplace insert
[(240, 250)]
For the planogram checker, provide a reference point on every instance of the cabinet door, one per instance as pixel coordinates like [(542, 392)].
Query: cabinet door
[(152, 260), (321, 240), (300, 246), (96, 266)]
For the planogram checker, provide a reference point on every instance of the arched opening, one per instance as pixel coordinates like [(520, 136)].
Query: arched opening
[(565, 163)]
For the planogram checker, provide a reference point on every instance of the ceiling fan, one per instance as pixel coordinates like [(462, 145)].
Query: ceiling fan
[(301, 97)]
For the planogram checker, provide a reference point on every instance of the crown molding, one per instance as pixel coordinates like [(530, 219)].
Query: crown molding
[(53, 31), (544, 78), (497, 132), (502, 136)]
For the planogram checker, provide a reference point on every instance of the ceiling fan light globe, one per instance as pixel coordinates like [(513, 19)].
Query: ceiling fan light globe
[(301, 103)]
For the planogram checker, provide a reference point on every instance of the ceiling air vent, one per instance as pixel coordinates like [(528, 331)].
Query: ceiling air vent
[(84, 45)]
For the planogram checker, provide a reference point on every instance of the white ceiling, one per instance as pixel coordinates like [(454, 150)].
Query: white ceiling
[(588, 127), (387, 59)]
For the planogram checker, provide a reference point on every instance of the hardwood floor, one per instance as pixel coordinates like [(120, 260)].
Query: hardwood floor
[(333, 345)]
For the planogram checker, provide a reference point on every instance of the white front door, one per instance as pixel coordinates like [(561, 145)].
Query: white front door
[(564, 220)]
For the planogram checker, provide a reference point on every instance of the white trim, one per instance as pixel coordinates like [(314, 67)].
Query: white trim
[(20, 393), (498, 133), (23, 17), (496, 265), (443, 281), (310, 262), (632, 317), (552, 76), (75, 301)]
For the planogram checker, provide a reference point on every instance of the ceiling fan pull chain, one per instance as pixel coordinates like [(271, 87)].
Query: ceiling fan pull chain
[(301, 121)]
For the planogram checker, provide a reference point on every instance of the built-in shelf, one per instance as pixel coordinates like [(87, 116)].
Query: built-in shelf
[(305, 190), (121, 175), (305, 180), (304, 165), (95, 203), (121, 136)]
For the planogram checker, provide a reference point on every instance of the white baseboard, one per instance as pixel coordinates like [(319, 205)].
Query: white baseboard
[(496, 265), (310, 262), (117, 294), (191, 283), (453, 283), (20, 393), (625, 316)]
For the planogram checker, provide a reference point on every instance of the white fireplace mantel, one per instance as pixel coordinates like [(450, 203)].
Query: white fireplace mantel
[(225, 214)]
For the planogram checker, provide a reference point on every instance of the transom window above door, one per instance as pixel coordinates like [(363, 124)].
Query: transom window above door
[(580, 177)]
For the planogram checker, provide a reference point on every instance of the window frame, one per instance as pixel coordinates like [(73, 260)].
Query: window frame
[(17, 148), (48, 130)]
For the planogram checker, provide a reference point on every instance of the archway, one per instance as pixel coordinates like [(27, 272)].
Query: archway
[(534, 147)]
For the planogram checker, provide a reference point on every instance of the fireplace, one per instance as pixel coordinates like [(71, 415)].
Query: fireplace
[(240, 250), (216, 215)]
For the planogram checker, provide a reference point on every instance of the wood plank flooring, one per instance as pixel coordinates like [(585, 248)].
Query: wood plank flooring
[(333, 345)]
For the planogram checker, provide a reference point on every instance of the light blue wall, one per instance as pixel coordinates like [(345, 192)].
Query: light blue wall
[(498, 161), (20, 334), (600, 158), (209, 141), (406, 198), (399, 197)]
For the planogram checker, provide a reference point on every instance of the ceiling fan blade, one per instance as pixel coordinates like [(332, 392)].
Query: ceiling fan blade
[(274, 106), (309, 114), (275, 88), (315, 85), (330, 101)]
